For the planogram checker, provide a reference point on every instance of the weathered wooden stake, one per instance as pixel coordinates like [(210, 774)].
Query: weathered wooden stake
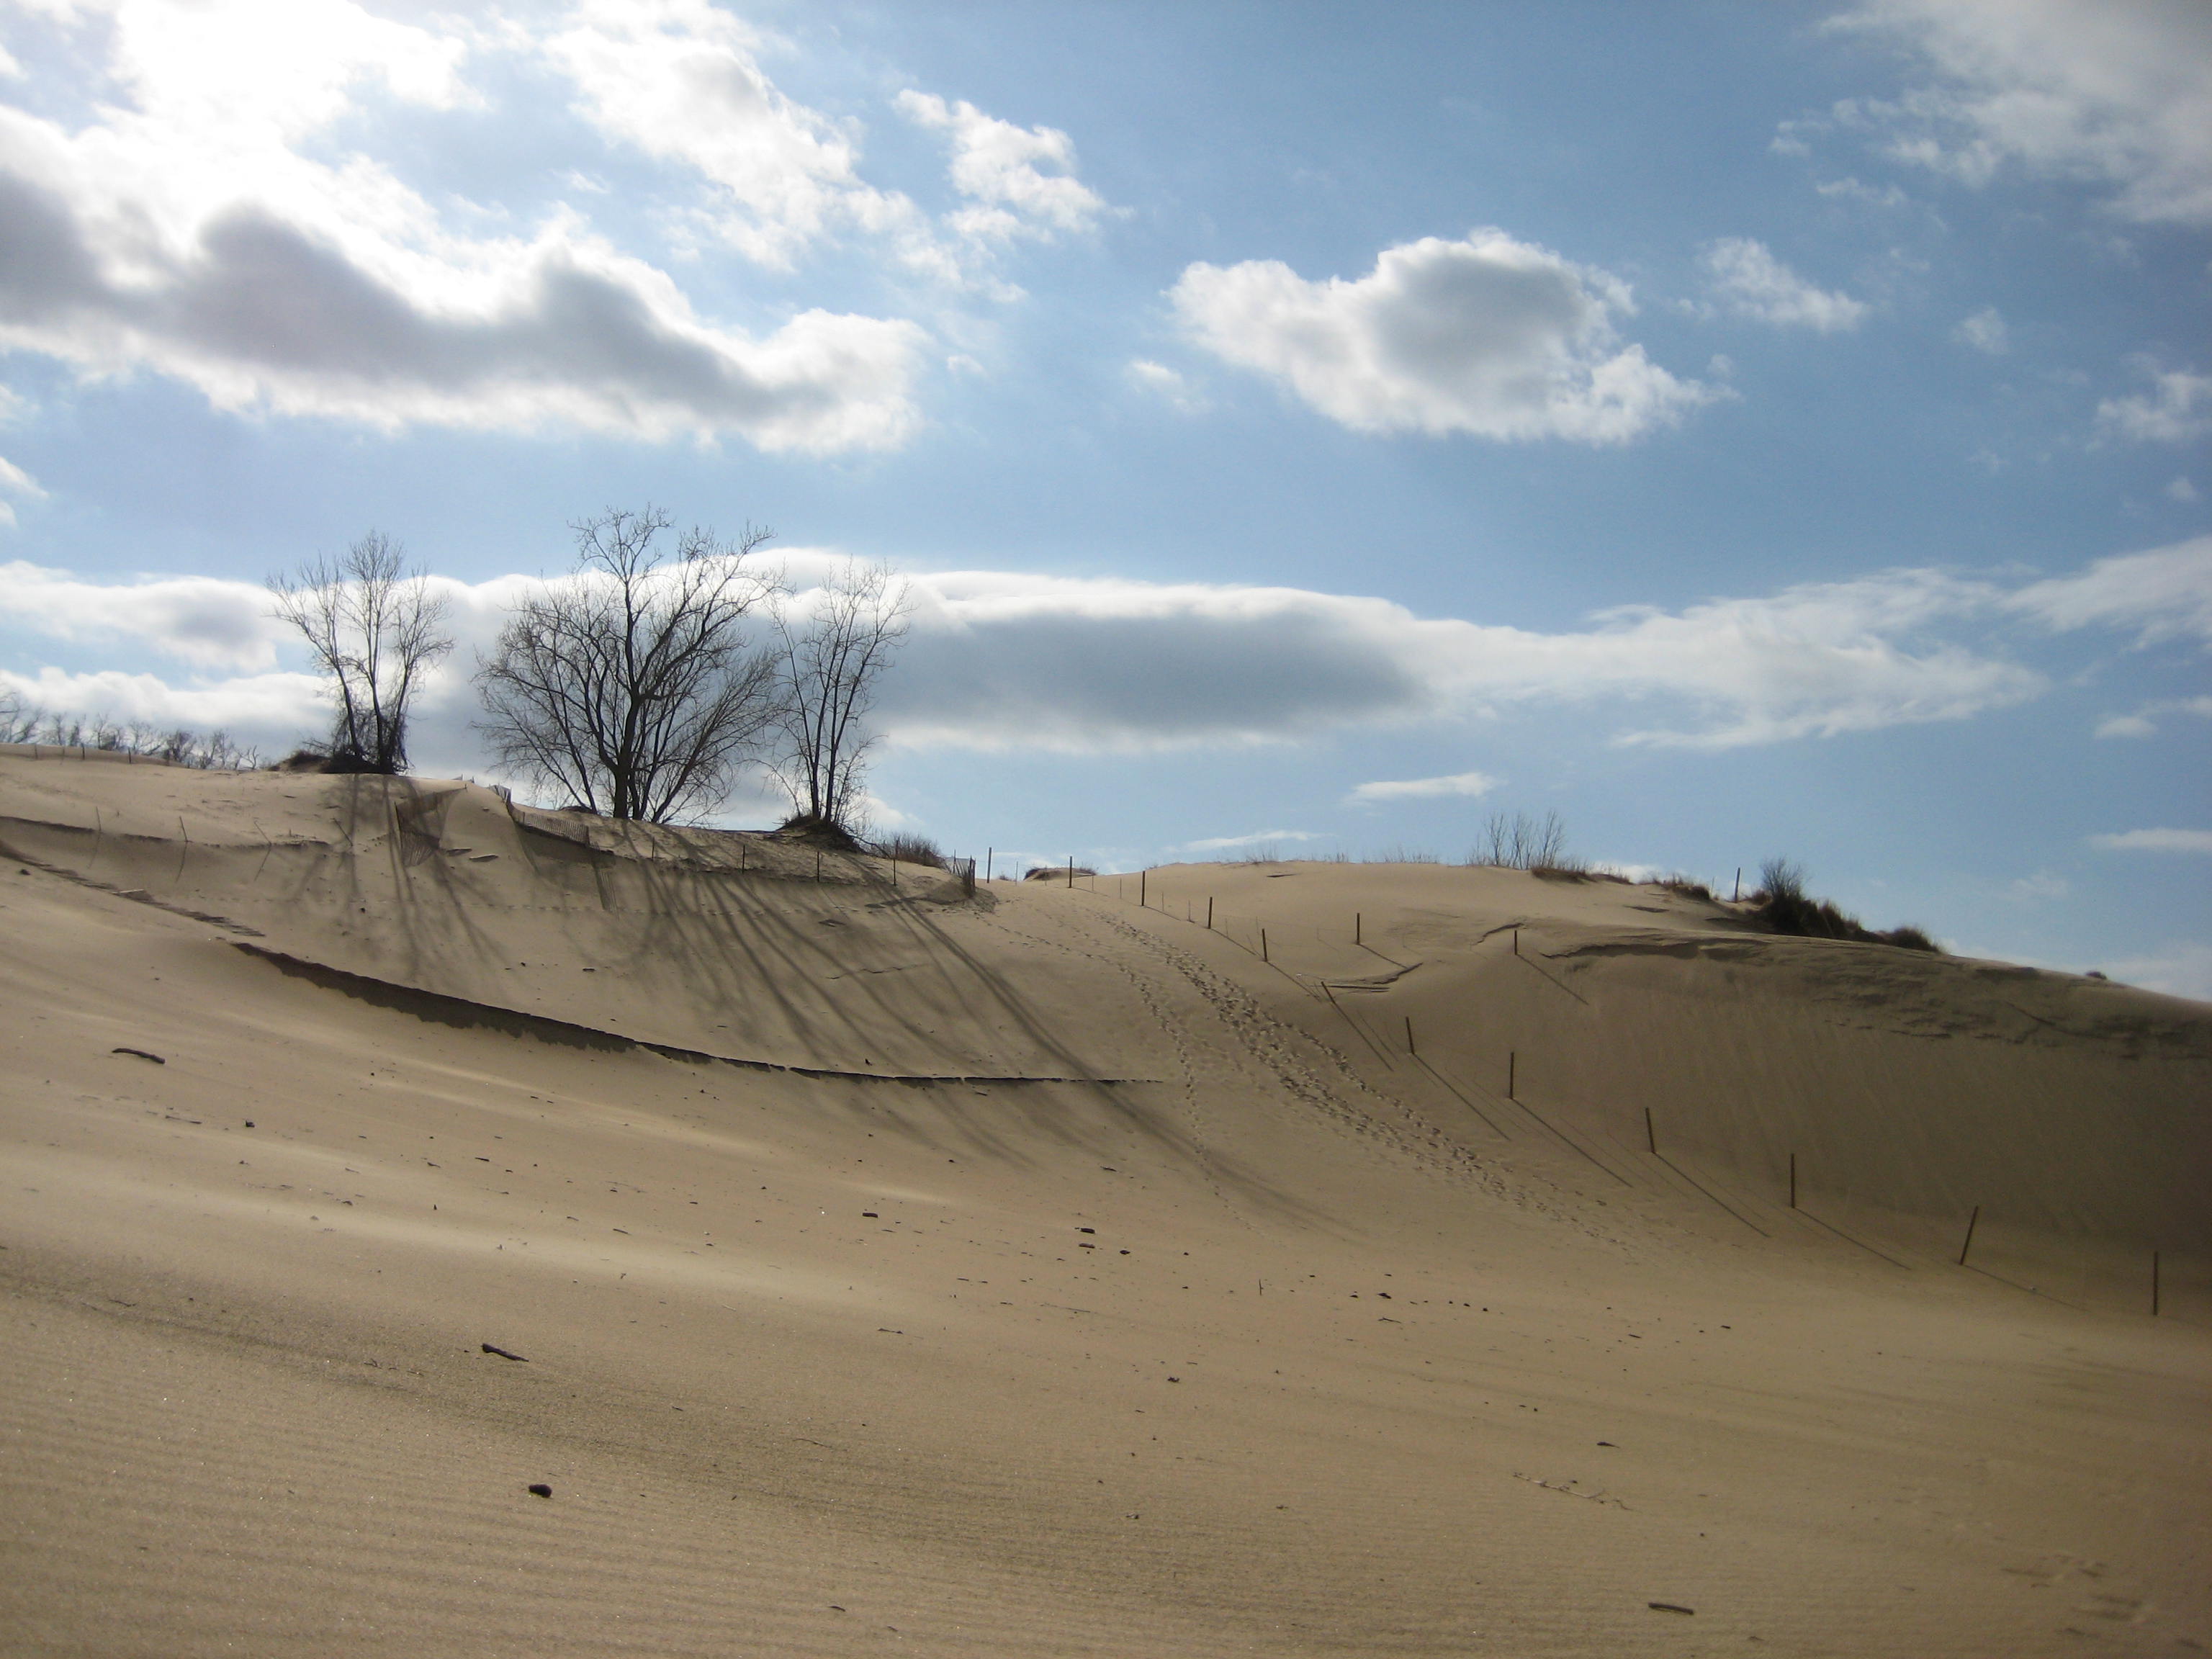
[(1517, 941), (1410, 1048), (1971, 1222), (1738, 894), (1650, 1133), (1209, 912), (1143, 903), (990, 857), (1355, 928), (1071, 869), (1263, 945), (1512, 1065)]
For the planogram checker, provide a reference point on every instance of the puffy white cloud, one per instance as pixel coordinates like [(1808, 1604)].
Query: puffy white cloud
[(2166, 592), (2177, 409), (2180, 490), (2156, 840), (1019, 181), (194, 226), (1744, 275), (2117, 94), (1459, 784), (1486, 335), (1984, 330)]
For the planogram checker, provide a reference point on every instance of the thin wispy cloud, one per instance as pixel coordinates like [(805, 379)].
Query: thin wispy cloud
[(2198, 842), (1459, 785)]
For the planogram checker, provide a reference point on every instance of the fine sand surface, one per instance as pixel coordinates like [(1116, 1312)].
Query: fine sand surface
[(1036, 1272)]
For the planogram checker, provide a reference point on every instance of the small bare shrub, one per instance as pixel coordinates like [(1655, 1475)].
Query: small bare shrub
[(1046, 872), (912, 849)]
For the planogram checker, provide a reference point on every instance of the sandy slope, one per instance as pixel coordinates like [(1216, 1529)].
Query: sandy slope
[(1042, 1275)]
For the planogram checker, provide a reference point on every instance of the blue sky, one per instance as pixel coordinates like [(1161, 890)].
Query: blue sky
[(1743, 429)]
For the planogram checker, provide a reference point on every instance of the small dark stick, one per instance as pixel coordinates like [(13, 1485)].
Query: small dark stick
[(1512, 1065), (1071, 870), (1650, 1134), (1143, 902), (1517, 941), (990, 859), (503, 1353), (1410, 1048), (1970, 1221), (1263, 945), (1355, 928), (1209, 912)]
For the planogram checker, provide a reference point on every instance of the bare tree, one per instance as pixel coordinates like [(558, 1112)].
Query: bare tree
[(373, 628), (632, 686), (827, 668)]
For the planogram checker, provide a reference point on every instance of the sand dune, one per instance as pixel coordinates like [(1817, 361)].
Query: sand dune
[(1040, 1272)]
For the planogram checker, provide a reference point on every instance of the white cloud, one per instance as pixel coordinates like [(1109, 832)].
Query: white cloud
[(1007, 660), (2178, 409), (1159, 379), (2118, 95), (680, 81), (197, 223), (2181, 970), (1460, 784), (2157, 841), (1019, 181), (2143, 723), (1984, 330), (1488, 335), (1258, 838), (1745, 276), (2042, 885), (2166, 592), (208, 622), (2181, 490), (13, 481)]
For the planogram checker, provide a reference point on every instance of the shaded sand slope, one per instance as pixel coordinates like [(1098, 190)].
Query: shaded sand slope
[(1277, 1349)]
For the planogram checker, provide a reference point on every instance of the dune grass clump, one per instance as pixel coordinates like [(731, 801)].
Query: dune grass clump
[(1048, 872), (1785, 907), (1687, 886)]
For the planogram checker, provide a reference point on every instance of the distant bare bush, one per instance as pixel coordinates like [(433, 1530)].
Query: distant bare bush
[(1402, 855), (1046, 872), (912, 849), (24, 722), (1521, 842)]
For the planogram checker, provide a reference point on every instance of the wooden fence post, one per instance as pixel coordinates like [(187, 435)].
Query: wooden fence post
[(1972, 1222)]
